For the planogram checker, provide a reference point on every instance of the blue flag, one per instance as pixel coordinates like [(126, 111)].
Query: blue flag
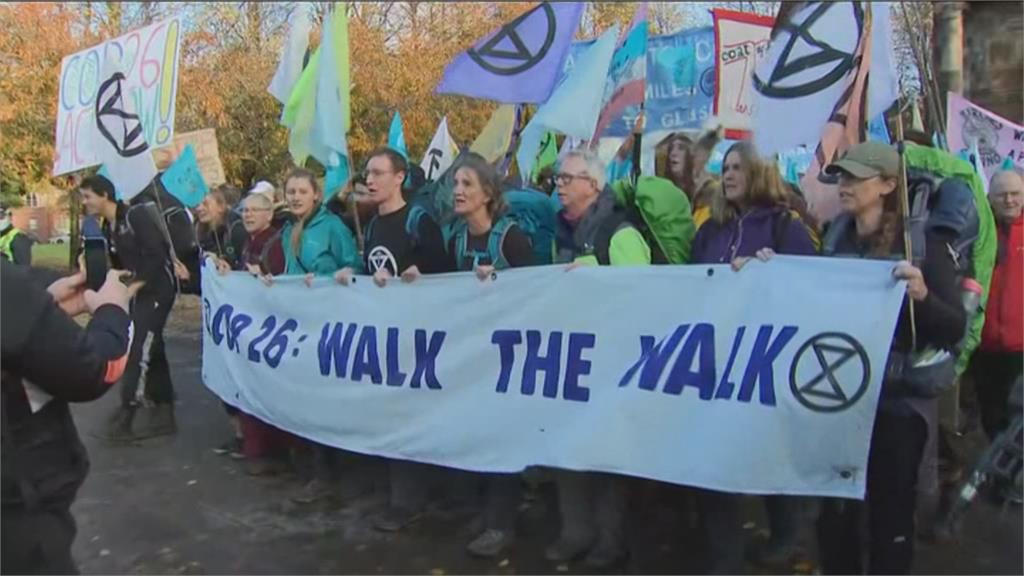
[(574, 107), (184, 180), (878, 130), (520, 61), (336, 177), (396, 136)]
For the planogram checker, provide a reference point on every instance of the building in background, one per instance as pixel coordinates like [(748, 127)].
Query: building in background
[(44, 214), (993, 56)]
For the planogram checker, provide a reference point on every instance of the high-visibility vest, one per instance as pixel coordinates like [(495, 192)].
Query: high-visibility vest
[(6, 241)]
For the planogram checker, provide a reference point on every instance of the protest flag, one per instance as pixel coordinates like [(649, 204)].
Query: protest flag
[(813, 87), (119, 137), (575, 106), (396, 136), (520, 61), (184, 180), (331, 119), (440, 154), (547, 156), (627, 75), (293, 53), (496, 137)]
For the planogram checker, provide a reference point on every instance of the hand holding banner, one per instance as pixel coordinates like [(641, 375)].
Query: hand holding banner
[(756, 382)]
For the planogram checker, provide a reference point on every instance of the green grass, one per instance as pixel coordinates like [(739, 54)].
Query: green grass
[(50, 255)]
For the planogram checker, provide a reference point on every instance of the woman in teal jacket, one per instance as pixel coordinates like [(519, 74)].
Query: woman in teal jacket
[(317, 243)]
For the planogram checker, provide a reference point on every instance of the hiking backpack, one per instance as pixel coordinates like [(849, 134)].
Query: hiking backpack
[(533, 212), (659, 210), (174, 220)]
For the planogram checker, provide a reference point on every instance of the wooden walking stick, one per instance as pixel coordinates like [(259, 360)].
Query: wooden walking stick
[(901, 189)]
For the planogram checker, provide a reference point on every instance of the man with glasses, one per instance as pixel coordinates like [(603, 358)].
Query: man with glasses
[(399, 239), (592, 230), (15, 245)]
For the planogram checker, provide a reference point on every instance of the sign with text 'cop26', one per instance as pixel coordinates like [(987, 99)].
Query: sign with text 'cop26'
[(680, 82), (761, 381)]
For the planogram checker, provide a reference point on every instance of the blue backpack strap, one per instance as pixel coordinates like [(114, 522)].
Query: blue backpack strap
[(412, 222), (496, 239), (460, 233)]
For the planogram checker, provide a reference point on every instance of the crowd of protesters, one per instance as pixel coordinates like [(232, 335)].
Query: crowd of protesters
[(371, 227)]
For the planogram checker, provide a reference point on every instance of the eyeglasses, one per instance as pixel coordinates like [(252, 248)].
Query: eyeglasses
[(564, 178), (255, 210)]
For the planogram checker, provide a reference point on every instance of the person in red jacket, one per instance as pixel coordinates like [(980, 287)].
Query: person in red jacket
[(999, 359)]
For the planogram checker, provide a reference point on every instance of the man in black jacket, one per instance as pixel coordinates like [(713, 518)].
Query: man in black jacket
[(138, 242), (48, 361)]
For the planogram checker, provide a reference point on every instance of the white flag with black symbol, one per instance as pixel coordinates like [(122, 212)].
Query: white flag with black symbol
[(119, 138), (440, 154)]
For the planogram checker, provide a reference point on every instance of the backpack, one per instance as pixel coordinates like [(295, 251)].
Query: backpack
[(412, 224), (659, 210), (174, 219), (436, 198), (532, 212), (935, 203)]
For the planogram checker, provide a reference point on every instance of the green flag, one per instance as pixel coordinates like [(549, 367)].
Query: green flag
[(299, 111)]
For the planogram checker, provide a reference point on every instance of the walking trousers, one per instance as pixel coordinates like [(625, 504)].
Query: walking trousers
[(897, 445), (147, 375)]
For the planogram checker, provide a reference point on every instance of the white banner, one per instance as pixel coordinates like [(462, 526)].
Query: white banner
[(149, 59), (762, 381)]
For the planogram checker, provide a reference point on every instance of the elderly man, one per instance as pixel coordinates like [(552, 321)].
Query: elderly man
[(998, 361), (592, 230)]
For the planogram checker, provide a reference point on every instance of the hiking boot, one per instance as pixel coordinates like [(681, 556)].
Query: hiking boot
[(394, 519), (232, 448), (566, 550), (160, 422), (491, 543), (118, 426), (264, 467), (604, 556), (314, 490)]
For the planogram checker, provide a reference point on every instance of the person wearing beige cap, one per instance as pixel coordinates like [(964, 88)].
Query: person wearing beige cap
[(871, 226)]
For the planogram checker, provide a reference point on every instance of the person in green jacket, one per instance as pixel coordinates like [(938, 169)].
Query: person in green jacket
[(591, 231), (317, 243), (587, 206)]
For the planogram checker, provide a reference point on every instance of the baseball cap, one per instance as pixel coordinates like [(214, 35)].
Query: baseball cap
[(866, 160)]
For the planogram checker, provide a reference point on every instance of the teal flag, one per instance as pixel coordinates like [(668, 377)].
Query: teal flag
[(396, 136)]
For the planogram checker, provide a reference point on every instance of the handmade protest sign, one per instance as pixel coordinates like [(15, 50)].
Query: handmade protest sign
[(148, 58), (207, 152), (680, 82), (184, 179), (118, 137), (756, 382), (741, 41), (997, 139)]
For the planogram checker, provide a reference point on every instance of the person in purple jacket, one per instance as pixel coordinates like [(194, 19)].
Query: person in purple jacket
[(750, 217), (752, 213)]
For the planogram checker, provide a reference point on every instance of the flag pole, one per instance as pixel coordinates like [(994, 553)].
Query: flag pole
[(901, 189)]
